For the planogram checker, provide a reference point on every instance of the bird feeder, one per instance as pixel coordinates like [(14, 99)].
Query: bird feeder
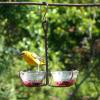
[(32, 78), (57, 78), (63, 78)]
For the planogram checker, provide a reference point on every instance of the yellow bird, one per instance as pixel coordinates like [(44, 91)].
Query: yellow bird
[(32, 58)]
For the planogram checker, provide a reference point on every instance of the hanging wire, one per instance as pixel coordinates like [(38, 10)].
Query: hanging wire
[(44, 17)]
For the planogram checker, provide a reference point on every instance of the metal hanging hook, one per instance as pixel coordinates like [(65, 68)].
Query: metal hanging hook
[(44, 17)]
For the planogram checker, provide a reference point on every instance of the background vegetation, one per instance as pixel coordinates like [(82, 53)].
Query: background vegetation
[(73, 44)]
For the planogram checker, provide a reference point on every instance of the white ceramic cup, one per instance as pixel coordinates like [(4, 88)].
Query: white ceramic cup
[(64, 75), (32, 76)]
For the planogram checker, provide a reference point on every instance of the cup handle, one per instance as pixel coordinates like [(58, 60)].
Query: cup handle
[(21, 73)]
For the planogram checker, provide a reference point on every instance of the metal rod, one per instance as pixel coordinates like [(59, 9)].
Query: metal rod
[(46, 50), (45, 28), (51, 4)]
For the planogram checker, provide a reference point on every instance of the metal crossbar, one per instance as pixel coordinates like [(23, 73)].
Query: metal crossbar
[(51, 4)]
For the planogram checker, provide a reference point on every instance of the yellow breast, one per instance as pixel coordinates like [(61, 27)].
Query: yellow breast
[(29, 59)]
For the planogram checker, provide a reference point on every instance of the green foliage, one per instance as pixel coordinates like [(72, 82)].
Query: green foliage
[(71, 35)]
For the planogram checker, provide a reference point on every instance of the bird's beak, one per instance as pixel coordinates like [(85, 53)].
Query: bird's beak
[(19, 54)]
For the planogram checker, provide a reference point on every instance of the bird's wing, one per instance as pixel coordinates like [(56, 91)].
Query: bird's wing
[(38, 59), (36, 56)]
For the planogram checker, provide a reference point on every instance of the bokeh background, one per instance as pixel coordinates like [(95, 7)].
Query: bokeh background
[(74, 43)]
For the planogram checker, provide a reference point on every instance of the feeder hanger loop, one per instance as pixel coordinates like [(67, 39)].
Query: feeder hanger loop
[(45, 28)]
